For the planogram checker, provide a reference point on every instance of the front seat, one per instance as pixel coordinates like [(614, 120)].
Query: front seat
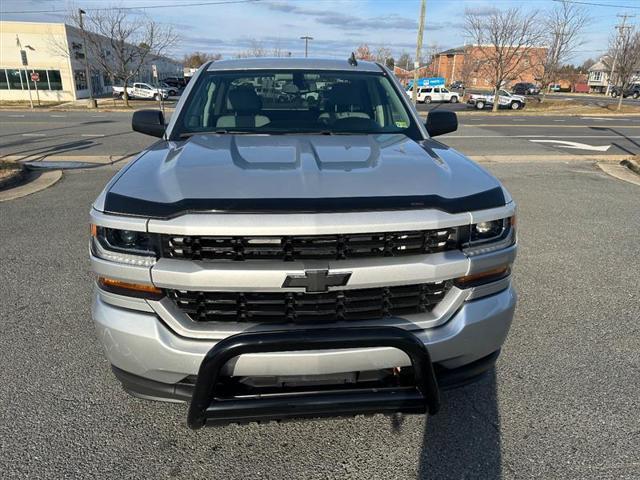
[(343, 102), (246, 105)]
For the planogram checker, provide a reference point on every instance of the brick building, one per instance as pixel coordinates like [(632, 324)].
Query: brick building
[(467, 64)]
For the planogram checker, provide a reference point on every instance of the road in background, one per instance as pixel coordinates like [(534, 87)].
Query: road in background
[(563, 402), (103, 135)]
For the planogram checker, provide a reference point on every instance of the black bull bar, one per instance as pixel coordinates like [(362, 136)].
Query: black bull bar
[(206, 407)]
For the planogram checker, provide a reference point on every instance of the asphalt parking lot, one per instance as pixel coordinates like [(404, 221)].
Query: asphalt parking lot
[(562, 403)]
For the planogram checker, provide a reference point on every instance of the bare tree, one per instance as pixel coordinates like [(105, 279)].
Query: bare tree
[(363, 52), (196, 59), (121, 44), (382, 54), (564, 25), (506, 41), (405, 61), (256, 49), (469, 69), (626, 48)]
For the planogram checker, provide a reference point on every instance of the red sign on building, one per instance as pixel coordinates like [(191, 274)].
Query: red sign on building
[(35, 77)]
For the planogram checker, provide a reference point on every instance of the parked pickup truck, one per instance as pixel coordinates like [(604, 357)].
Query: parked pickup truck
[(506, 100), (435, 94), (323, 255), (142, 90)]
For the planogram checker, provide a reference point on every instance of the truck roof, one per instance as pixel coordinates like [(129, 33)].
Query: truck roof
[(265, 63)]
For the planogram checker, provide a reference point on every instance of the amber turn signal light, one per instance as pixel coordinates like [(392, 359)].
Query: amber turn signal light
[(482, 277), (127, 288)]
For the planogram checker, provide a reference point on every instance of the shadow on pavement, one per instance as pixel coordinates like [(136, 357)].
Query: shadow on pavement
[(463, 440), (622, 135)]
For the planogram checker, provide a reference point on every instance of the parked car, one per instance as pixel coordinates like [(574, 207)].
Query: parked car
[(525, 89), (176, 82), (435, 94), (172, 91), (631, 91), (268, 260), (506, 100), (555, 87), (457, 85), (141, 90)]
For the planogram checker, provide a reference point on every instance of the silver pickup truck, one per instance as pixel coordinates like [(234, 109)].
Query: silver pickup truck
[(297, 245)]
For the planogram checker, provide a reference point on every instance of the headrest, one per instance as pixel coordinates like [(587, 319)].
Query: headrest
[(343, 94), (245, 100)]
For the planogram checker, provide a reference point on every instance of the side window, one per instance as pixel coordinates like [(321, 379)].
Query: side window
[(444, 90), (436, 90)]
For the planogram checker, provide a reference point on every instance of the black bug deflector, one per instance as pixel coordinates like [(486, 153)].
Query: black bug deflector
[(206, 407)]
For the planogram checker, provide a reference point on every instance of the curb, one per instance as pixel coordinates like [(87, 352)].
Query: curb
[(607, 159), (41, 182), (620, 172), (95, 159), (632, 165)]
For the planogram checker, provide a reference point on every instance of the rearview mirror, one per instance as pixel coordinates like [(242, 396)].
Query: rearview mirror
[(439, 123), (149, 122)]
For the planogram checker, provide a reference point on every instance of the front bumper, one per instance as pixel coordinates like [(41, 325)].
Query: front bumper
[(141, 344)]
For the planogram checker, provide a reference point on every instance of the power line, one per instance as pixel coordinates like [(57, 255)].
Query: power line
[(594, 4), (223, 2)]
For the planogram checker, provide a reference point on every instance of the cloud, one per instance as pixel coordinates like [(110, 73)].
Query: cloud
[(480, 11), (337, 19)]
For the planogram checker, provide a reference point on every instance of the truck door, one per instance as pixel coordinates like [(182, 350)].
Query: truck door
[(437, 95)]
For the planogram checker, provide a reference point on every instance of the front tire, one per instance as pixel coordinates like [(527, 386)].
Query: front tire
[(156, 97), (515, 105), (614, 94), (427, 100), (480, 105), (454, 100)]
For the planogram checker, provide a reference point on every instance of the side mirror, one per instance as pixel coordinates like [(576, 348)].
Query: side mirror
[(439, 123), (149, 122)]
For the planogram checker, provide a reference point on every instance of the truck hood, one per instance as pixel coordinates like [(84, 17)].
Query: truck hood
[(224, 172)]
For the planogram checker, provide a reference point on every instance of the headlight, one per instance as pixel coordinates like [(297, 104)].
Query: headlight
[(489, 236), (124, 246)]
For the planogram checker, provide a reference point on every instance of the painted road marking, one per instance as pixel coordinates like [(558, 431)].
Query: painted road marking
[(575, 145), (92, 135), (559, 120), (34, 135), (557, 126), (542, 136), (98, 116), (16, 116), (58, 116)]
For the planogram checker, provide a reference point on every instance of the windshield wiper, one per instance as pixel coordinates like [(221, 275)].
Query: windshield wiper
[(219, 131)]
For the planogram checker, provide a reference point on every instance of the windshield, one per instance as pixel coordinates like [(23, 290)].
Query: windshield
[(327, 102)]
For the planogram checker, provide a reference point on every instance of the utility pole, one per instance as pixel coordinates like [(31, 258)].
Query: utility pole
[(620, 28), (87, 73), (416, 65), (306, 45)]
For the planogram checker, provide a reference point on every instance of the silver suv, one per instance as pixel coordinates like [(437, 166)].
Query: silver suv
[(297, 245)]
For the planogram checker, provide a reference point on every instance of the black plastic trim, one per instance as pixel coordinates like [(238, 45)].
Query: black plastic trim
[(125, 205), (207, 407), (183, 391)]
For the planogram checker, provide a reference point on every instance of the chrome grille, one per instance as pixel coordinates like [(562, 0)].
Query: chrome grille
[(300, 307), (291, 248)]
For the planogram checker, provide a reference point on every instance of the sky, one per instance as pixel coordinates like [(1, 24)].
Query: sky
[(337, 26)]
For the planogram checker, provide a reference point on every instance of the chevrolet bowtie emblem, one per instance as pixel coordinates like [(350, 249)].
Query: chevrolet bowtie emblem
[(314, 281)]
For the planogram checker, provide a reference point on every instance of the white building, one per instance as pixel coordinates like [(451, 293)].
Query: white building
[(55, 52)]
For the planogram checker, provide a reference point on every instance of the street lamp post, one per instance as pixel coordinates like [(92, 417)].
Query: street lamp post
[(87, 73), (306, 45), (25, 63)]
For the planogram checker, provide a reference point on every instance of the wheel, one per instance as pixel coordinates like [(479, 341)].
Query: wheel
[(121, 95), (454, 99), (515, 105), (156, 97), (635, 95), (614, 94), (480, 105), (427, 99)]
